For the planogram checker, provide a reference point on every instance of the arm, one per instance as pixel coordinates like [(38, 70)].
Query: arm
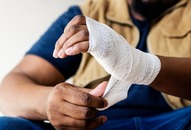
[(25, 85), (28, 91), (173, 76), (35, 88)]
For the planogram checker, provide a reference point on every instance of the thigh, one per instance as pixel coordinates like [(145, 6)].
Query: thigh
[(119, 124), (188, 126), (175, 120), (16, 123)]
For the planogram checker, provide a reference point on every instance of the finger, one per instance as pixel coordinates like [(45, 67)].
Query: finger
[(77, 24), (82, 36), (79, 97), (69, 128), (72, 30), (96, 122), (77, 20), (77, 112), (77, 48), (66, 121), (99, 90), (87, 125)]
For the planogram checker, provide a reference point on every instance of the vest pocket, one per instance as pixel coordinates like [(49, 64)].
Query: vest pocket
[(178, 40)]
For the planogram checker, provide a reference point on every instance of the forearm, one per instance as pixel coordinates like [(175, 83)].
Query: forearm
[(174, 77), (127, 64), (20, 96)]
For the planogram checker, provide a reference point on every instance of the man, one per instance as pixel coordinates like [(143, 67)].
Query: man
[(28, 90)]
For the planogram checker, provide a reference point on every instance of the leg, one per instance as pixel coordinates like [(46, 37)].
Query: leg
[(175, 120), (188, 126), (16, 123)]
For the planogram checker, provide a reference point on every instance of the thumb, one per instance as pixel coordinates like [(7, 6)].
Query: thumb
[(99, 90)]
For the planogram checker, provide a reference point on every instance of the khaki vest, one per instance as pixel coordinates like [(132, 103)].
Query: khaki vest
[(170, 36)]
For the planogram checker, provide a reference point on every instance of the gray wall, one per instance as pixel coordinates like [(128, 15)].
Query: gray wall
[(21, 23)]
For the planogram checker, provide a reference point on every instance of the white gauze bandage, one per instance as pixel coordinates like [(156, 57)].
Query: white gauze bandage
[(126, 64)]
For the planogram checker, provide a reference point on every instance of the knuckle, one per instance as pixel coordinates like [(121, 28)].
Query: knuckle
[(57, 89), (58, 44), (73, 29), (83, 47), (85, 98), (84, 33), (79, 18), (60, 87), (79, 48), (87, 113), (79, 123)]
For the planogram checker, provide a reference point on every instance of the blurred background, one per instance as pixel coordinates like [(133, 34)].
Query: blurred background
[(22, 22)]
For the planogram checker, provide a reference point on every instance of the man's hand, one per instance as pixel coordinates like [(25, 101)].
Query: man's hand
[(74, 40), (72, 107)]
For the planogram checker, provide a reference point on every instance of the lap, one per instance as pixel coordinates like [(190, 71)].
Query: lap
[(16, 123), (174, 120)]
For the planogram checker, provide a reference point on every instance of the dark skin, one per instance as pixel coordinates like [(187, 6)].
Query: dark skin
[(149, 9), (24, 82), (24, 93), (171, 68)]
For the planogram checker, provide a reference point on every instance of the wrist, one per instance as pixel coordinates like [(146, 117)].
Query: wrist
[(41, 109)]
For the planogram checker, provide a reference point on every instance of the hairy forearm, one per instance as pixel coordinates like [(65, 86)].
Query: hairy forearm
[(20, 96), (174, 77)]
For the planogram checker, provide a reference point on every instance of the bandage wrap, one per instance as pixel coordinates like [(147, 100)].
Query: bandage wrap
[(126, 64)]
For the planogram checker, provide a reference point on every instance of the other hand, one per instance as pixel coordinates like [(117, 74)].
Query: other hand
[(72, 107), (74, 40)]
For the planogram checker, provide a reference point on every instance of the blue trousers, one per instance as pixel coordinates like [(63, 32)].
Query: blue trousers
[(173, 120), (16, 123)]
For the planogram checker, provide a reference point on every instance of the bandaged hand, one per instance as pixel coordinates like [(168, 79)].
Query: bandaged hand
[(126, 64)]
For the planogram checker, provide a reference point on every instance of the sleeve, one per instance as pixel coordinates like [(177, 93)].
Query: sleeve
[(45, 45)]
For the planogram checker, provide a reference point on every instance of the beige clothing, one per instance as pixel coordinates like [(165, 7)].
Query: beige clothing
[(170, 35)]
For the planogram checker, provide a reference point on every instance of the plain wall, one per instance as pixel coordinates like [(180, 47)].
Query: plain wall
[(22, 22)]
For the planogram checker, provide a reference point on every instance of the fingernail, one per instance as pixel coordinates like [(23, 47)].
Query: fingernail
[(55, 54), (68, 50), (61, 54), (105, 104)]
